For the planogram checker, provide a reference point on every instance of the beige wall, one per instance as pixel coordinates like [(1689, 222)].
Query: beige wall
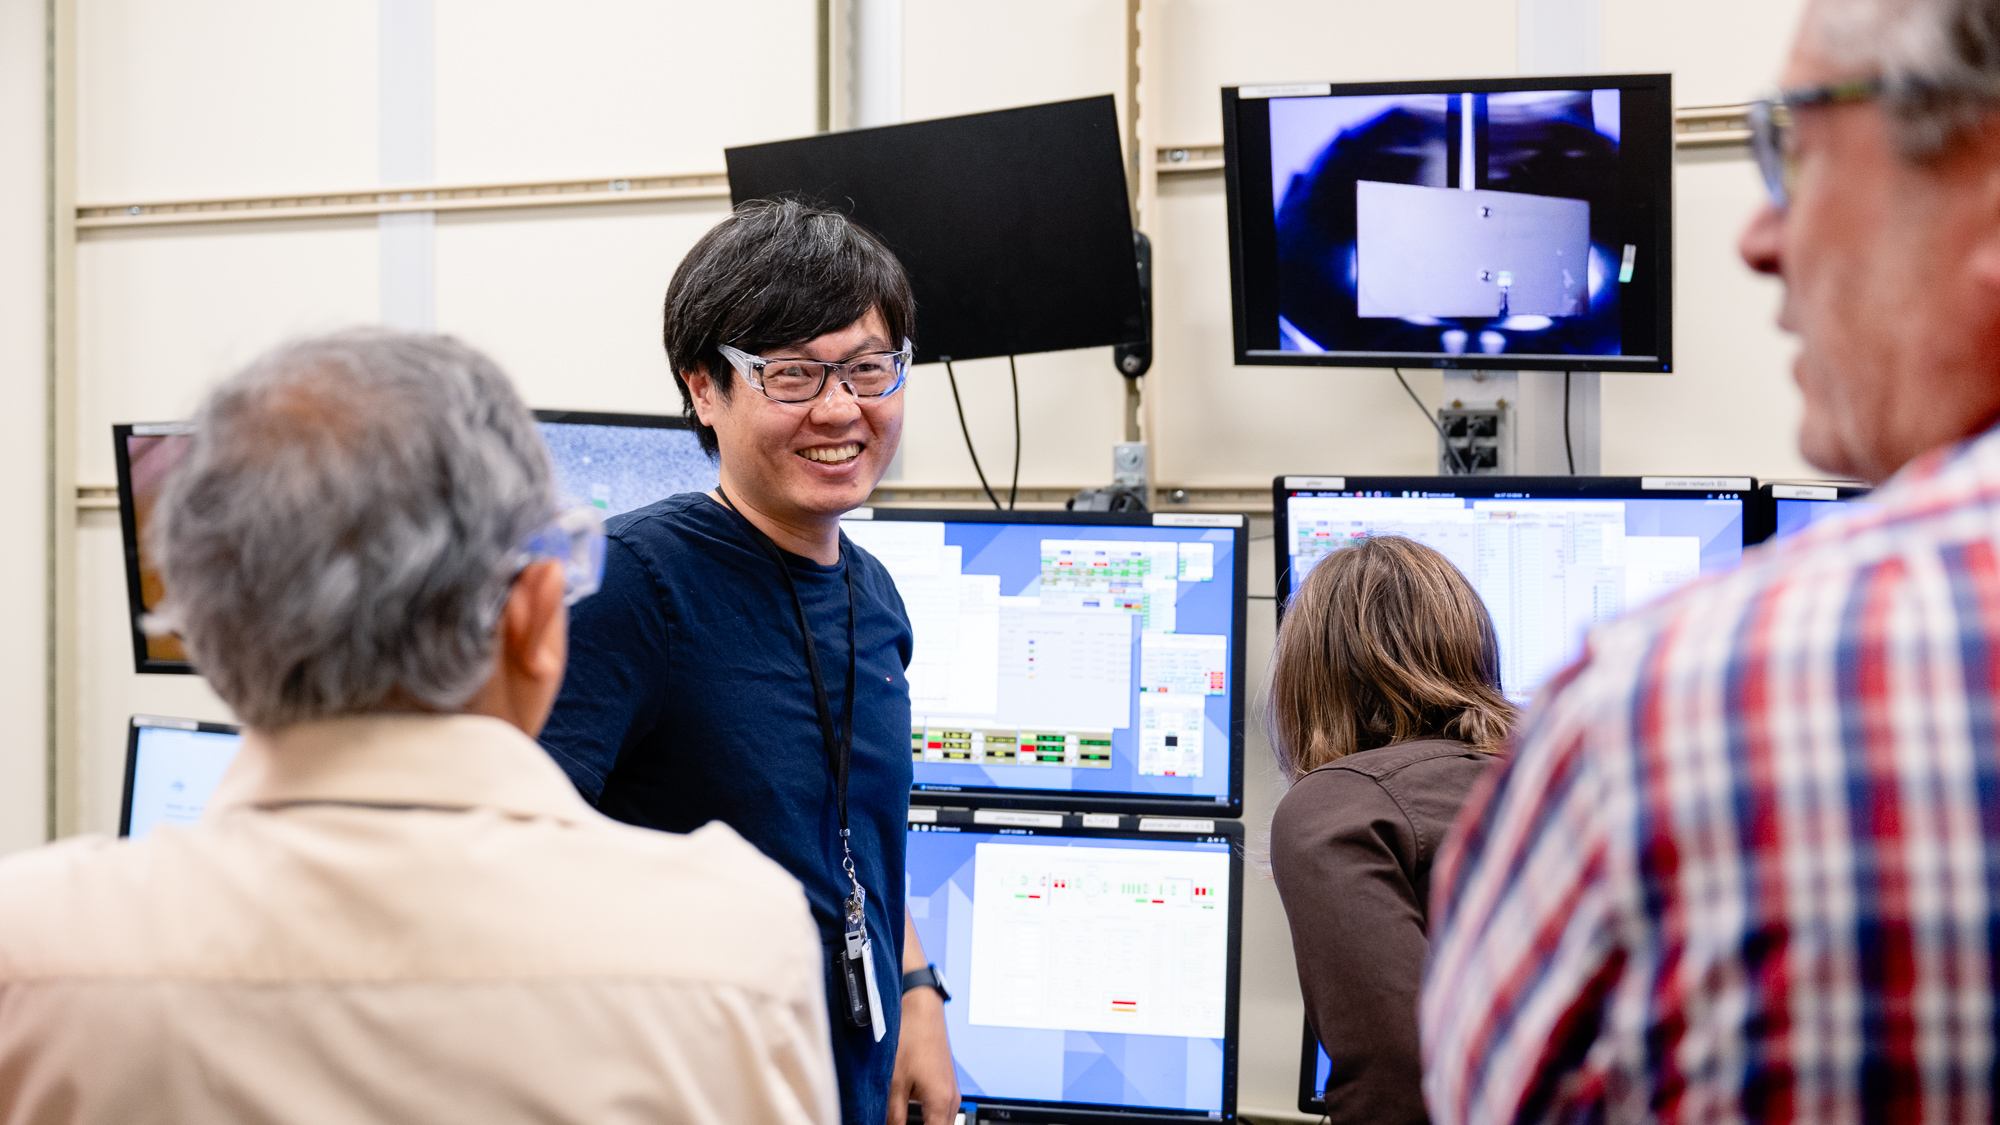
[(23, 450), (213, 97)]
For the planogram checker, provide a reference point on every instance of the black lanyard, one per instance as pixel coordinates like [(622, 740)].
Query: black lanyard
[(839, 747)]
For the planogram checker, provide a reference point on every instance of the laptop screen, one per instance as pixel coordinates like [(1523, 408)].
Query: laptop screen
[(1088, 968), (171, 768)]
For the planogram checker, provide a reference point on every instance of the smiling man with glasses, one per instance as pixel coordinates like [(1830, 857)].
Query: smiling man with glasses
[(1744, 864), (744, 661)]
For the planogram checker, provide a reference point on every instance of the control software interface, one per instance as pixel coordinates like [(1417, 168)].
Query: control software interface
[(617, 468), (1066, 657), (1084, 969), (1425, 220), (173, 774), (1548, 568)]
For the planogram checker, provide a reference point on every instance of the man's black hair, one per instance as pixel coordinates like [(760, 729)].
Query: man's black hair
[(776, 273)]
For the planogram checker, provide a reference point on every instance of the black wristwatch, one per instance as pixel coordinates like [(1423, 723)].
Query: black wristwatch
[(927, 977)]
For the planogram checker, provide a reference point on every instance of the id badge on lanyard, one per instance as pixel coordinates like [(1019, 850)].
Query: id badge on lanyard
[(857, 970), (855, 959)]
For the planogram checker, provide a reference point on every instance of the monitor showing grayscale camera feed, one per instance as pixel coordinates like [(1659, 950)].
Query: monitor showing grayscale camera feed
[(1519, 223)]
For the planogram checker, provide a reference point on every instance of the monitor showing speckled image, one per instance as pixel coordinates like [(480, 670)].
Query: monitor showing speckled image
[(618, 462)]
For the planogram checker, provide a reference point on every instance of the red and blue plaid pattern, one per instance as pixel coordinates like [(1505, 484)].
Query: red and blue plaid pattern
[(1745, 863)]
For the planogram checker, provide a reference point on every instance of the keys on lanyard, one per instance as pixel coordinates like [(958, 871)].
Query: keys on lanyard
[(856, 957)]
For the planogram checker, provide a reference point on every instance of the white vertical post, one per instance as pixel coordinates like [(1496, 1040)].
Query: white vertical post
[(1557, 37), (877, 73), (406, 150)]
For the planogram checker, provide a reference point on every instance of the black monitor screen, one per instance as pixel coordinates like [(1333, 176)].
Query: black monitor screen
[(1520, 223), (1013, 225)]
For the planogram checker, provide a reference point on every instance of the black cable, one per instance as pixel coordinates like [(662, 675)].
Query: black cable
[(967, 431), (1014, 377), (1449, 452), (1567, 451)]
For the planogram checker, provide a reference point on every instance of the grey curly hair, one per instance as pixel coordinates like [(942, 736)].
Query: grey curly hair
[(337, 538), (1939, 60)]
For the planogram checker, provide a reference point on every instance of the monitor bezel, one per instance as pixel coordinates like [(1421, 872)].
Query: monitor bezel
[(1311, 1100), (1537, 488), (128, 529), (155, 722), (603, 418), (1245, 356), (1067, 799), (1765, 524), (1029, 1112)]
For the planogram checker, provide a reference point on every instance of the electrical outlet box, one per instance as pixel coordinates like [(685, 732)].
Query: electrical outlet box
[(1477, 441)]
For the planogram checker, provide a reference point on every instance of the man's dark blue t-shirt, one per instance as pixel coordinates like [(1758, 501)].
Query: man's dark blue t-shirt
[(688, 700)]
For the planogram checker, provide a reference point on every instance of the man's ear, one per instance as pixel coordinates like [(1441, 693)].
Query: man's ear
[(534, 630), (702, 389), (1983, 260)]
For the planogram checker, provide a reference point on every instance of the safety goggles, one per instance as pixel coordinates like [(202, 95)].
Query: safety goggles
[(575, 538)]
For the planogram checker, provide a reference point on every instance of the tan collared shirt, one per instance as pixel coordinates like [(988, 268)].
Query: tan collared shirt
[(408, 919)]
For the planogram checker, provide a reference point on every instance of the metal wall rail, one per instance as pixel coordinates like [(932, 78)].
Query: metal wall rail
[(389, 201), (1252, 498), (1695, 127)]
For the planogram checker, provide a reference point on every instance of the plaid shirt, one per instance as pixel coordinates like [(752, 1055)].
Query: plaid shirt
[(1745, 863)]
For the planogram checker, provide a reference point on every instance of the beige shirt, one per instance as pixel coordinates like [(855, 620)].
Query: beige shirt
[(408, 919)]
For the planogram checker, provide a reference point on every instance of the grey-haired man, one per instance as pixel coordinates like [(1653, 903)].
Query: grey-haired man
[(396, 907)]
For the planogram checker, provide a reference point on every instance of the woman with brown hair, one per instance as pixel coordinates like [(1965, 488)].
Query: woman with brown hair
[(1385, 709)]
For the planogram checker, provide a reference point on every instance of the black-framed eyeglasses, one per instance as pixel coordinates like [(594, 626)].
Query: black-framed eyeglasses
[(872, 376), (1771, 128)]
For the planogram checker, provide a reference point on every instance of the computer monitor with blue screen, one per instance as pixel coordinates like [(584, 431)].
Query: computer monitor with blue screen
[(618, 462), (1550, 556), (1315, 1067), (1071, 660), (1786, 509), (171, 768), (1091, 969)]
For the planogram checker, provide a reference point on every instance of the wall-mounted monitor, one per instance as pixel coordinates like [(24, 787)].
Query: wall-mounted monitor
[(1072, 660), (1014, 225), (1549, 556), (1519, 223), (1786, 509), (1093, 969), (616, 462)]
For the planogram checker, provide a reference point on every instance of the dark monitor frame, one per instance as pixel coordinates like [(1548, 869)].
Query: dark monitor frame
[(128, 528), (1243, 231), (1129, 828), (158, 722), (601, 418), (985, 797), (1311, 1099), (1765, 522), (1535, 488)]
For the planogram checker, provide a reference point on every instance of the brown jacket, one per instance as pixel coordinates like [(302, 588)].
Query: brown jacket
[(1351, 849)]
